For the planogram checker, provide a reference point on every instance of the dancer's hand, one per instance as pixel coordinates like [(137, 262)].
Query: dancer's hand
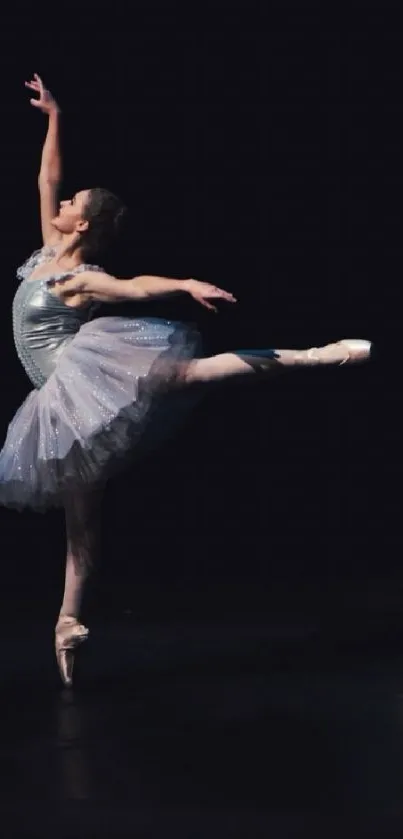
[(203, 293), (46, 103)]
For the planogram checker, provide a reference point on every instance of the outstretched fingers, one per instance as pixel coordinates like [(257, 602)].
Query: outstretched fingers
[(36, 84), (223, 295)]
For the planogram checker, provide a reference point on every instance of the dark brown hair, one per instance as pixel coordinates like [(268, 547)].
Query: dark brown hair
[(104, 212)]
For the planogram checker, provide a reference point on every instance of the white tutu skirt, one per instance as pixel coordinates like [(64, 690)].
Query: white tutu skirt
[(112, 397)]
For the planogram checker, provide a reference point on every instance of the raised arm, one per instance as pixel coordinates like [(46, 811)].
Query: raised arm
[(50, 174), (95, 285)]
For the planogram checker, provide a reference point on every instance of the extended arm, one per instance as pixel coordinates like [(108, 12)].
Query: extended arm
[(95, 285), (50, 174)]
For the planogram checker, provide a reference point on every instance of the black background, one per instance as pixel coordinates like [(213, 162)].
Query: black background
[(260, 148)]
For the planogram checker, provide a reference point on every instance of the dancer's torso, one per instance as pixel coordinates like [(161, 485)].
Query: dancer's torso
[(42, 324)]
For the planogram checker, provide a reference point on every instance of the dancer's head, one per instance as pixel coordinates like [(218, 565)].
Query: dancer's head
[(95, 216)]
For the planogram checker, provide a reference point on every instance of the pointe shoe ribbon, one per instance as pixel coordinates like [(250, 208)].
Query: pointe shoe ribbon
[(69, 634)]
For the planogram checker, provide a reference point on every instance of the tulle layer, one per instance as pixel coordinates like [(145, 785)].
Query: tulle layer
[(112, 397)]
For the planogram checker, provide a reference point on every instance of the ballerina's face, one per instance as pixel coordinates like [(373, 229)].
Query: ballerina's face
[(70, 217)]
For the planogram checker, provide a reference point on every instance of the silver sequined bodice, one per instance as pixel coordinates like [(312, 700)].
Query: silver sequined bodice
[(42, 324)]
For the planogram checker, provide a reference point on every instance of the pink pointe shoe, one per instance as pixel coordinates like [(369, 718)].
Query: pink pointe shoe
[(347, 351), (69, 635)]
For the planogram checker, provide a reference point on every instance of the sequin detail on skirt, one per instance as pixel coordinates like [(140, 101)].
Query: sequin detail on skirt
[(111, 396)]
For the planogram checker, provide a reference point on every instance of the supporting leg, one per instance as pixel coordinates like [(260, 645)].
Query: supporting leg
[(82, 528), (82, 513)]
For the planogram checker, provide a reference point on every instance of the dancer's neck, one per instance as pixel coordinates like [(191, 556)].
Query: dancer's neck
[(68, 251)]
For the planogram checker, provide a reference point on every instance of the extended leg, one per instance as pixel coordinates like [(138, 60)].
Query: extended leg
[(243, 363)]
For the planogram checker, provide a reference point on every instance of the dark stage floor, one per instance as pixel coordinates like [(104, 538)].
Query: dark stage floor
[(201, 730)]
